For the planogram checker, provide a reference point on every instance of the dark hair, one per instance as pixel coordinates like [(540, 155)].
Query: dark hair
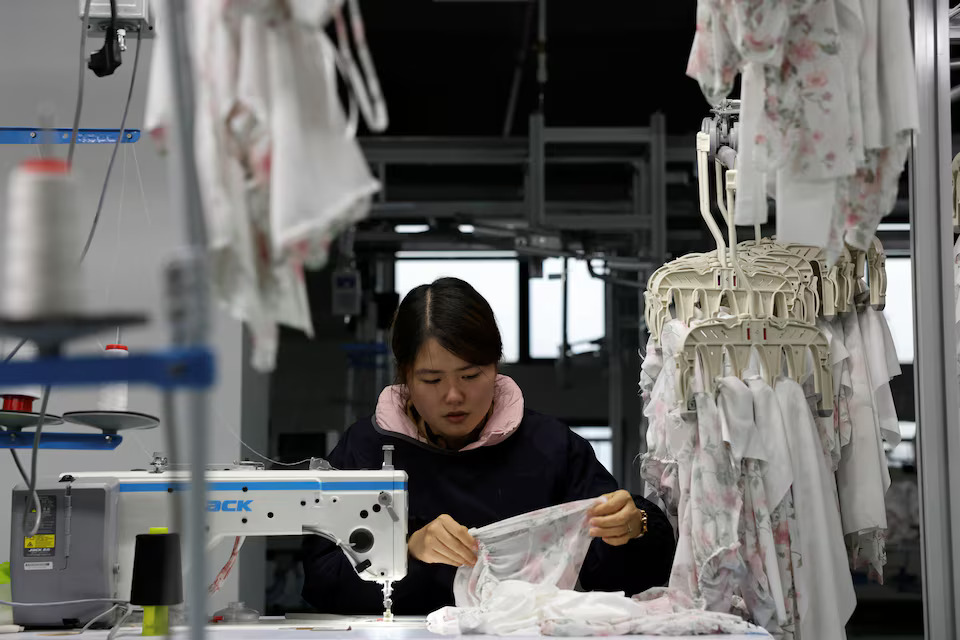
[(455, 315)]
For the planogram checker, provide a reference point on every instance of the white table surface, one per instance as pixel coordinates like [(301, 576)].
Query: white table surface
[(316, 627)]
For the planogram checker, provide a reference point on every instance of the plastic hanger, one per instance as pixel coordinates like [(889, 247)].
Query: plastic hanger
[(780, 344), (364, 87)]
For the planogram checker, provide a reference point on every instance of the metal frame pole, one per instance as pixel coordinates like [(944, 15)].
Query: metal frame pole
[(938, 412), (536, 172), (186, 197), (614, 381)]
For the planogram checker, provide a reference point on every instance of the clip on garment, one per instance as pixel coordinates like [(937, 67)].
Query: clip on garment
[(523, 580)]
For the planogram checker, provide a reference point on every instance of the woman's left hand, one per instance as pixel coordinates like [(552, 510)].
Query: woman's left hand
[(617, 520)]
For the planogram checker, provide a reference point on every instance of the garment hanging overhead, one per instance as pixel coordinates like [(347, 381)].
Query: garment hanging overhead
[(281, 172), (829, 105)]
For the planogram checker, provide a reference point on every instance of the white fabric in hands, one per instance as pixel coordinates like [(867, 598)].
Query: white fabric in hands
[(522, 581)]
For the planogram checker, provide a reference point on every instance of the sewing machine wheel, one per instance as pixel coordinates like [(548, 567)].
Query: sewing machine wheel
[(112, 421)]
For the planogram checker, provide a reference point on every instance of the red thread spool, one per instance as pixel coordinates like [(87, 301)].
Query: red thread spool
[(18, 403)]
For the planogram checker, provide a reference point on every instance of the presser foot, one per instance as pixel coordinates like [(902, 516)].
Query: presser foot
[(387, 601)]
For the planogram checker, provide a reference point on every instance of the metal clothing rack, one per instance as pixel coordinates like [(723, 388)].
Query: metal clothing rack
[(954, 18), (936, 391)]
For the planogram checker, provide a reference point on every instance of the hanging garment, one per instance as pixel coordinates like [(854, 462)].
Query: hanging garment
[(881, 354), (828, 107), (808, 117), (708, 564), (889, 102), (666, 432), (279, 171), (838, 433), (867, 546), (750, 207), (320, 181), (829, 600), (863, 477), (777, 481), (760, 588)]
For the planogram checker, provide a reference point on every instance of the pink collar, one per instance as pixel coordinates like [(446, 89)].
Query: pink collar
[(507, 413)]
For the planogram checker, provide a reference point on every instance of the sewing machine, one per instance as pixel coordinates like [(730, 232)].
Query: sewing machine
[(85, 543)]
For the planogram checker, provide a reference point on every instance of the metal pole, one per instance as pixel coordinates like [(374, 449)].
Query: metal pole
[(186, 198), (565, 322), (614, 381), (541, 52), (518, 69), (658, 185), (938, 417), (536, 174)]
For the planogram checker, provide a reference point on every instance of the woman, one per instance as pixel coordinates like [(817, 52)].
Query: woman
[(475, 456)]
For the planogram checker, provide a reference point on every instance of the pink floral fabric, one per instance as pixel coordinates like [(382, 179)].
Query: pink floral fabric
[(783, 520), (665, 428), (522, 585), (839, 105), (544, 547), (866, 197), (805, 125), (708, 564)]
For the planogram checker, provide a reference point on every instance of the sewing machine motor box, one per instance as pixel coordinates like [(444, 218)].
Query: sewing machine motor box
[(85, 542)]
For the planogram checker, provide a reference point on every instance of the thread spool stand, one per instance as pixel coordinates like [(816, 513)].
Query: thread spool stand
[(112, 414), (112, 422), (188, 364), (17, 414)]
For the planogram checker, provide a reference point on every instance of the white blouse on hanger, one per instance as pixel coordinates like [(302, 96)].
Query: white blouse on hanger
[(831, 599)]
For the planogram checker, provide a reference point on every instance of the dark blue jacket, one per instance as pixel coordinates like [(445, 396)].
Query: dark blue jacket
[(542, 464)]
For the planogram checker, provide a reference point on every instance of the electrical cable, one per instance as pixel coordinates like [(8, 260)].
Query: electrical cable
[(60, 603), (83, 70), (116, 628), (26, 479), (15, 350), (33, 462), (113, 155), (93, 620)]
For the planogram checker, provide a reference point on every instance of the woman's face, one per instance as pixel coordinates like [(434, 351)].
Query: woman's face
[(452, 395)]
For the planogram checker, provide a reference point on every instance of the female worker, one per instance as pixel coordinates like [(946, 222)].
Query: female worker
[(474, 455)]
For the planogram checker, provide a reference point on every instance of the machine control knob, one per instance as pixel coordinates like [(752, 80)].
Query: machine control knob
[(361, 540), (386, 500)]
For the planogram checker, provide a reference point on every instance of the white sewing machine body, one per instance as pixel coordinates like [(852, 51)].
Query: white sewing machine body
[(97, 515)]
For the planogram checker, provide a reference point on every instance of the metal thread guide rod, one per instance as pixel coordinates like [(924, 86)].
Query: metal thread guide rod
[(191, 323)]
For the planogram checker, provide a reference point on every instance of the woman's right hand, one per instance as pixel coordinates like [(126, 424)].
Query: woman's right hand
[(444, 541)]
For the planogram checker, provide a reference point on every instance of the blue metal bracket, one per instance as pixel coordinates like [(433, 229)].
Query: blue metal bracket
[(24, 135), (72, 441), (175, 368)]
